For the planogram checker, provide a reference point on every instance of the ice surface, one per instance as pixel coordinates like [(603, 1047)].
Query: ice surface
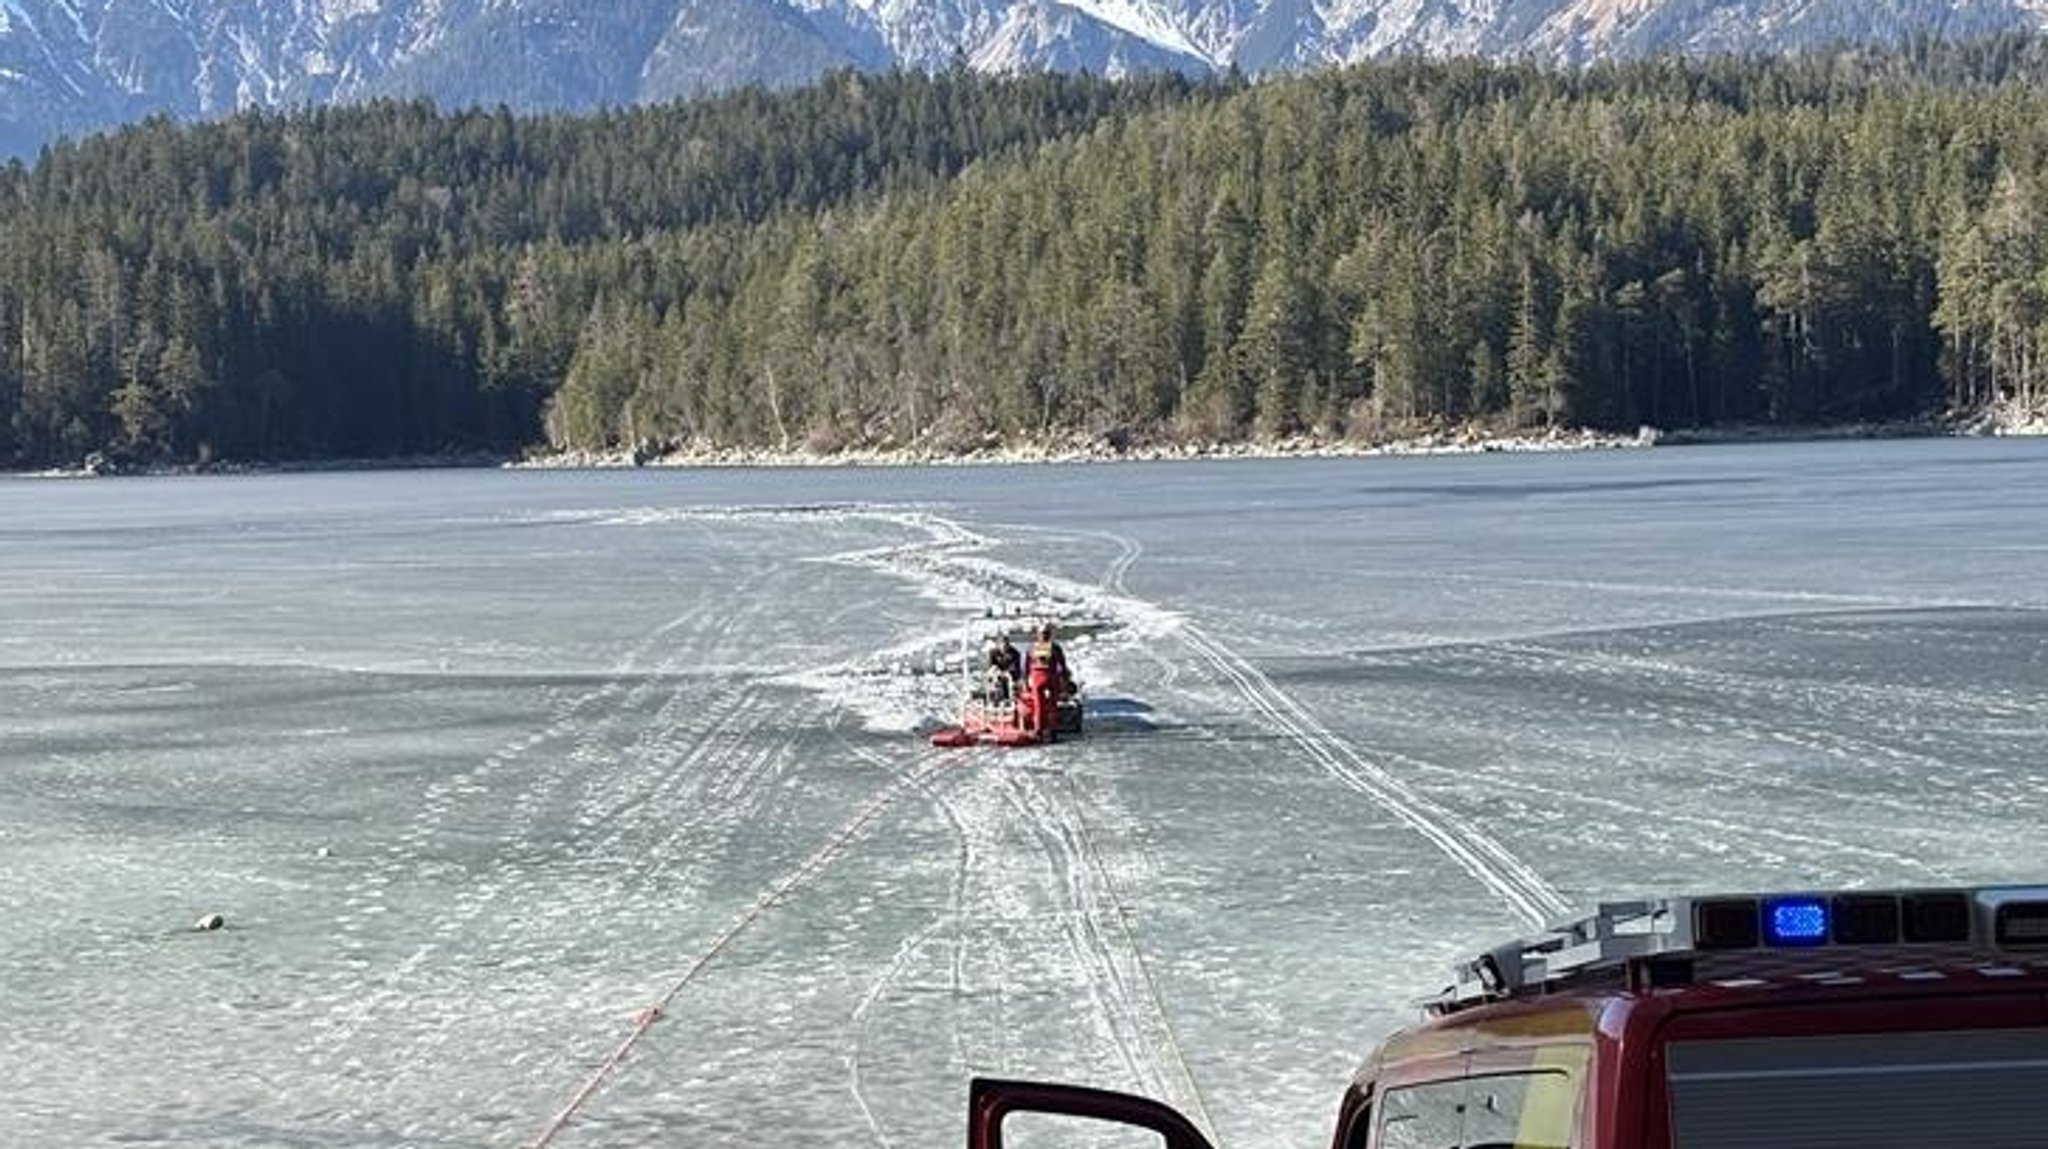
[(480, 766)]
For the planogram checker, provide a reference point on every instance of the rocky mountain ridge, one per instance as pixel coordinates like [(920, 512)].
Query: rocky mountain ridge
[(69, 66)]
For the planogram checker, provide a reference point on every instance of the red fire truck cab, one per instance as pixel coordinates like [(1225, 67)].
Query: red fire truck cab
[(1903, 1019)]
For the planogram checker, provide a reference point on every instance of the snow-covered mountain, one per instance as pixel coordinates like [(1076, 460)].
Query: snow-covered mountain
[(73, 65)]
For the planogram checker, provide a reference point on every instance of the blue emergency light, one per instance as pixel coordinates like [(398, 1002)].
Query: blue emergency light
[(1796, 922)]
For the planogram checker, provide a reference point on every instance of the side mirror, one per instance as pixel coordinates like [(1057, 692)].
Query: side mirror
[(989, 1101)]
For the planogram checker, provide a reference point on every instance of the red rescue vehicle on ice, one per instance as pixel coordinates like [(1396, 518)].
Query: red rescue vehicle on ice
[(1903, 1019), (1028, 702)]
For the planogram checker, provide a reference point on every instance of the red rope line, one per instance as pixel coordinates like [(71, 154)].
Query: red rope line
[(644, 1019)]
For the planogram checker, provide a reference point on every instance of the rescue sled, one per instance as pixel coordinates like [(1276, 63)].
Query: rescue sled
[(1002, 717)]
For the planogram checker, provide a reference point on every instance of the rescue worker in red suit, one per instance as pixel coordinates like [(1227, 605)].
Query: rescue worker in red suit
[(1046, 667)]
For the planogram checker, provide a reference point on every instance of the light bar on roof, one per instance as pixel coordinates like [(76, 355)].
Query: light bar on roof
[(1655, 941), (1798, 920)]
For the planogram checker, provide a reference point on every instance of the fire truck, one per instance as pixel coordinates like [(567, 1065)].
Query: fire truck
[(1899, 1019)]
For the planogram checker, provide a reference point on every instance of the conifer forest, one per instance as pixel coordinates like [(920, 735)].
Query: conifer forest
[(940, 262)]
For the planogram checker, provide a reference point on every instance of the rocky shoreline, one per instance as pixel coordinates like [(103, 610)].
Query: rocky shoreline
[(1469, 440), (1099, 449), (1459, 441)]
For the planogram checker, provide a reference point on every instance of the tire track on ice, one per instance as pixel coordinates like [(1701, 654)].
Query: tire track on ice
[(952, 915), (1076, 897), (1893, 749), (1513, 881), (1723, 829), (773, 894), (605, 794), (633, 844), (1761, 695), (350, 1008), (1128, 1003)]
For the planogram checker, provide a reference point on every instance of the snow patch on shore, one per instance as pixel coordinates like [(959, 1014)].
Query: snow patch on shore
[(2015, 419), (1103, 449)]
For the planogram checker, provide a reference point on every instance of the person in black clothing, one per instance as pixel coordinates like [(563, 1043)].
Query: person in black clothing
[(1005, 668), (1008, 657)]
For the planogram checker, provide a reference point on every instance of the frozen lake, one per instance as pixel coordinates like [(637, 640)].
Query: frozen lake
[(480, 766)]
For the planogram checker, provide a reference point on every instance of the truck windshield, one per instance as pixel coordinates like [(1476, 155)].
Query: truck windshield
[(1987, 1089)]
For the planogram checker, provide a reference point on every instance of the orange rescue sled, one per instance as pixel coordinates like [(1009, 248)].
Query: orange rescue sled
[(993, 716)]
